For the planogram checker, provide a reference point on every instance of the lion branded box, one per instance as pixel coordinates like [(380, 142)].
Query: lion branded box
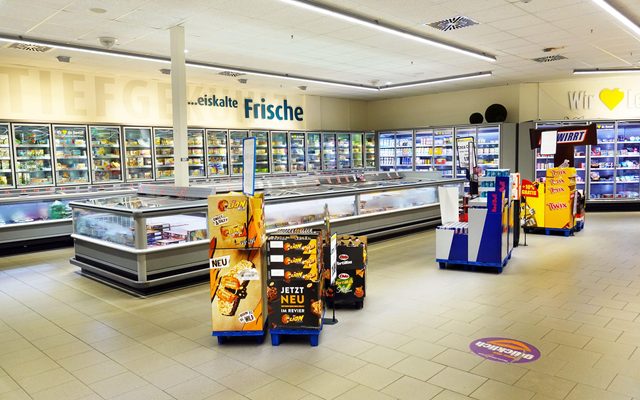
[(295, 304), (236, 221), (295, 255), (237, 279)]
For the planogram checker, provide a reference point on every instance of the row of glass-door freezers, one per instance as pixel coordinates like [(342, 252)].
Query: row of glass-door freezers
[(433, 149), (33, 155), (609, 170)]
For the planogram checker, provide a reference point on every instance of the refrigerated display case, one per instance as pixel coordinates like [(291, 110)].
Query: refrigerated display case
[(32, 151), (195, 152), (628, 160), (344, 150), (6, 169), (357, 160), (314, 152), (262, 151), (165, 159), (298, 157), (106, 155), (137, 146), (217, 161), (602, 171), (279, 152), (329, 150), (70, 154), (443, 158), (370, 149), (387, 151), (404, 151), (235, 151), (488, 147), (424, 150)]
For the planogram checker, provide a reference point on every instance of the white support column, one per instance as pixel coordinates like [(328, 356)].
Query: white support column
[(179, 106)]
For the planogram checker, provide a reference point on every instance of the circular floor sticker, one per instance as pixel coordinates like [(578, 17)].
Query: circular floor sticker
[(505, 350)]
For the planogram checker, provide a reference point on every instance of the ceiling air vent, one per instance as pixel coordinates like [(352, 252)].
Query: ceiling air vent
[(453, 23), (231, 74), (547, 59), (34, 48)]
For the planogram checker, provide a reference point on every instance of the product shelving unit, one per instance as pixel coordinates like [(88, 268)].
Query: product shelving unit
[(357, 160), (314, 151), (163, 145), (195, 153), (137, 150), (279, 152), (443, 151), (329, 151), (32, 154), (70, 154), (235, 151), (344, 150), (6, 167), (298, 157), (396, 150), (370, 149), (424, 150), (262, 151), (106, 156), (217, 153)]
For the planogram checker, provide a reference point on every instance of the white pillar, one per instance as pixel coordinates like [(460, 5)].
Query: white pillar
[(179, 106)]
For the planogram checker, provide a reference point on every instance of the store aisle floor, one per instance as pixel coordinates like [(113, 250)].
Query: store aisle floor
[(63, 336)]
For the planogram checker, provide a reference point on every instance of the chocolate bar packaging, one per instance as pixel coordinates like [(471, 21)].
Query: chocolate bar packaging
[(237, 290), (294, 255), (351, 265), (236, 221), (295, 303)]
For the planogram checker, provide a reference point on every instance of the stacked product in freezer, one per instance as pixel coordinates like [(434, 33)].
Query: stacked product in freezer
[(165, 159), (6, 171), (443, 151), (357, 160), (298, 159), (137, 149), (217, 160), (235, 151), (370, 150), (195, 152), (329, 149), (314, 152), (262, 151), (32, 146), (279, 152), (106, 159), (344, 150), (71, 155), (424, 150)]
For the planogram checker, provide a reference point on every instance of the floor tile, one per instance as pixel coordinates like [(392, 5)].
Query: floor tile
[(167, 377), (458, 359), (457, 380), (327, 385), (195, 389), (422, 349), (46, 380), (247, 380), (625, 385), (277, 390), (545, 384), (493, 390), (503, 372), (382, 356), (417, 367), (586, 375), (374, 376), (407, 388), (296, 372), (584, 392), (363, 392), (117, 385)]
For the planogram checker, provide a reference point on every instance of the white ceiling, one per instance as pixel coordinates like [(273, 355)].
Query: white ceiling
[(273, 36)]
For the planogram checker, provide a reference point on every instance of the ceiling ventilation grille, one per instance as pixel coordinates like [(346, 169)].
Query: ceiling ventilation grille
[(231, 74), (547, 59), (453, 23), (34, 48)]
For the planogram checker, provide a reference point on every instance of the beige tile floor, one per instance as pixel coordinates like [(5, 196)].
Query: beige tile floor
[(63, 336)]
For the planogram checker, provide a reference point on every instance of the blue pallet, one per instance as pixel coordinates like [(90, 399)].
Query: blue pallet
[(579, 226), (473, 265), (313, 334), (224, 336), (550, 231)]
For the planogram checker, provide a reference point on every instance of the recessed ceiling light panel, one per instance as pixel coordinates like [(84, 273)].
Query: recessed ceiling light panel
[(453, 23)]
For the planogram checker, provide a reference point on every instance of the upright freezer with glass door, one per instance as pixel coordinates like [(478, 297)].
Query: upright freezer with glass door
[(235, 151), (387, 149), (279, 152), (357, 160), (344, 151), (32, 150), (488, 147), (404, 151), (424, 150), (6, 170), (217, 160), (329, 149), (71, 155), (443, 151), (195, 152), (546, 161), (628, 160), (314, 152), (602, 175), (297, 145), (262, 151), (137, 146), (164, 157), (106, 155), (370, 149)]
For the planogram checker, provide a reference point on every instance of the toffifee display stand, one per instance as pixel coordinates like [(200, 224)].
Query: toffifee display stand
[(237, 265), (484, 241)]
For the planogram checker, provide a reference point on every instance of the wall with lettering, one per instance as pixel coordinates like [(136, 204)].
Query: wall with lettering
[(31, 94)]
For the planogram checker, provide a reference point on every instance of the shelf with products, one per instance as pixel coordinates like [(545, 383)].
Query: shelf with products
[(370, 149), (344, 151), (33, 140), (280, 151), (105, 154), (138, 158), (196, 152), (329, 149), (235, 150), (357, 160), (164, 146), (314, 145), (262, 151)]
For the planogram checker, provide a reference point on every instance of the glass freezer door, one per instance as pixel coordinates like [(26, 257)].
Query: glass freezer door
[(105, 154), (628, 160), (603, 161), (137, 146), (217, 163), (488, 147), (32, 145), (443, 151), (404, 151), (262, 151), (6, 171), (235, 150), (424, 150), (298, 159), (344, 151), (387, 148), (329, 151), (370, 149), (195, 152), (314, 162), (165, 160), (279, 152), (356, 151), (70, 151), (467, 132)]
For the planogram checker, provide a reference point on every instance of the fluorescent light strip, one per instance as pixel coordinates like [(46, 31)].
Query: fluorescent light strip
[(618, 15), (598, 71), (485, 74), (325, 10)]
